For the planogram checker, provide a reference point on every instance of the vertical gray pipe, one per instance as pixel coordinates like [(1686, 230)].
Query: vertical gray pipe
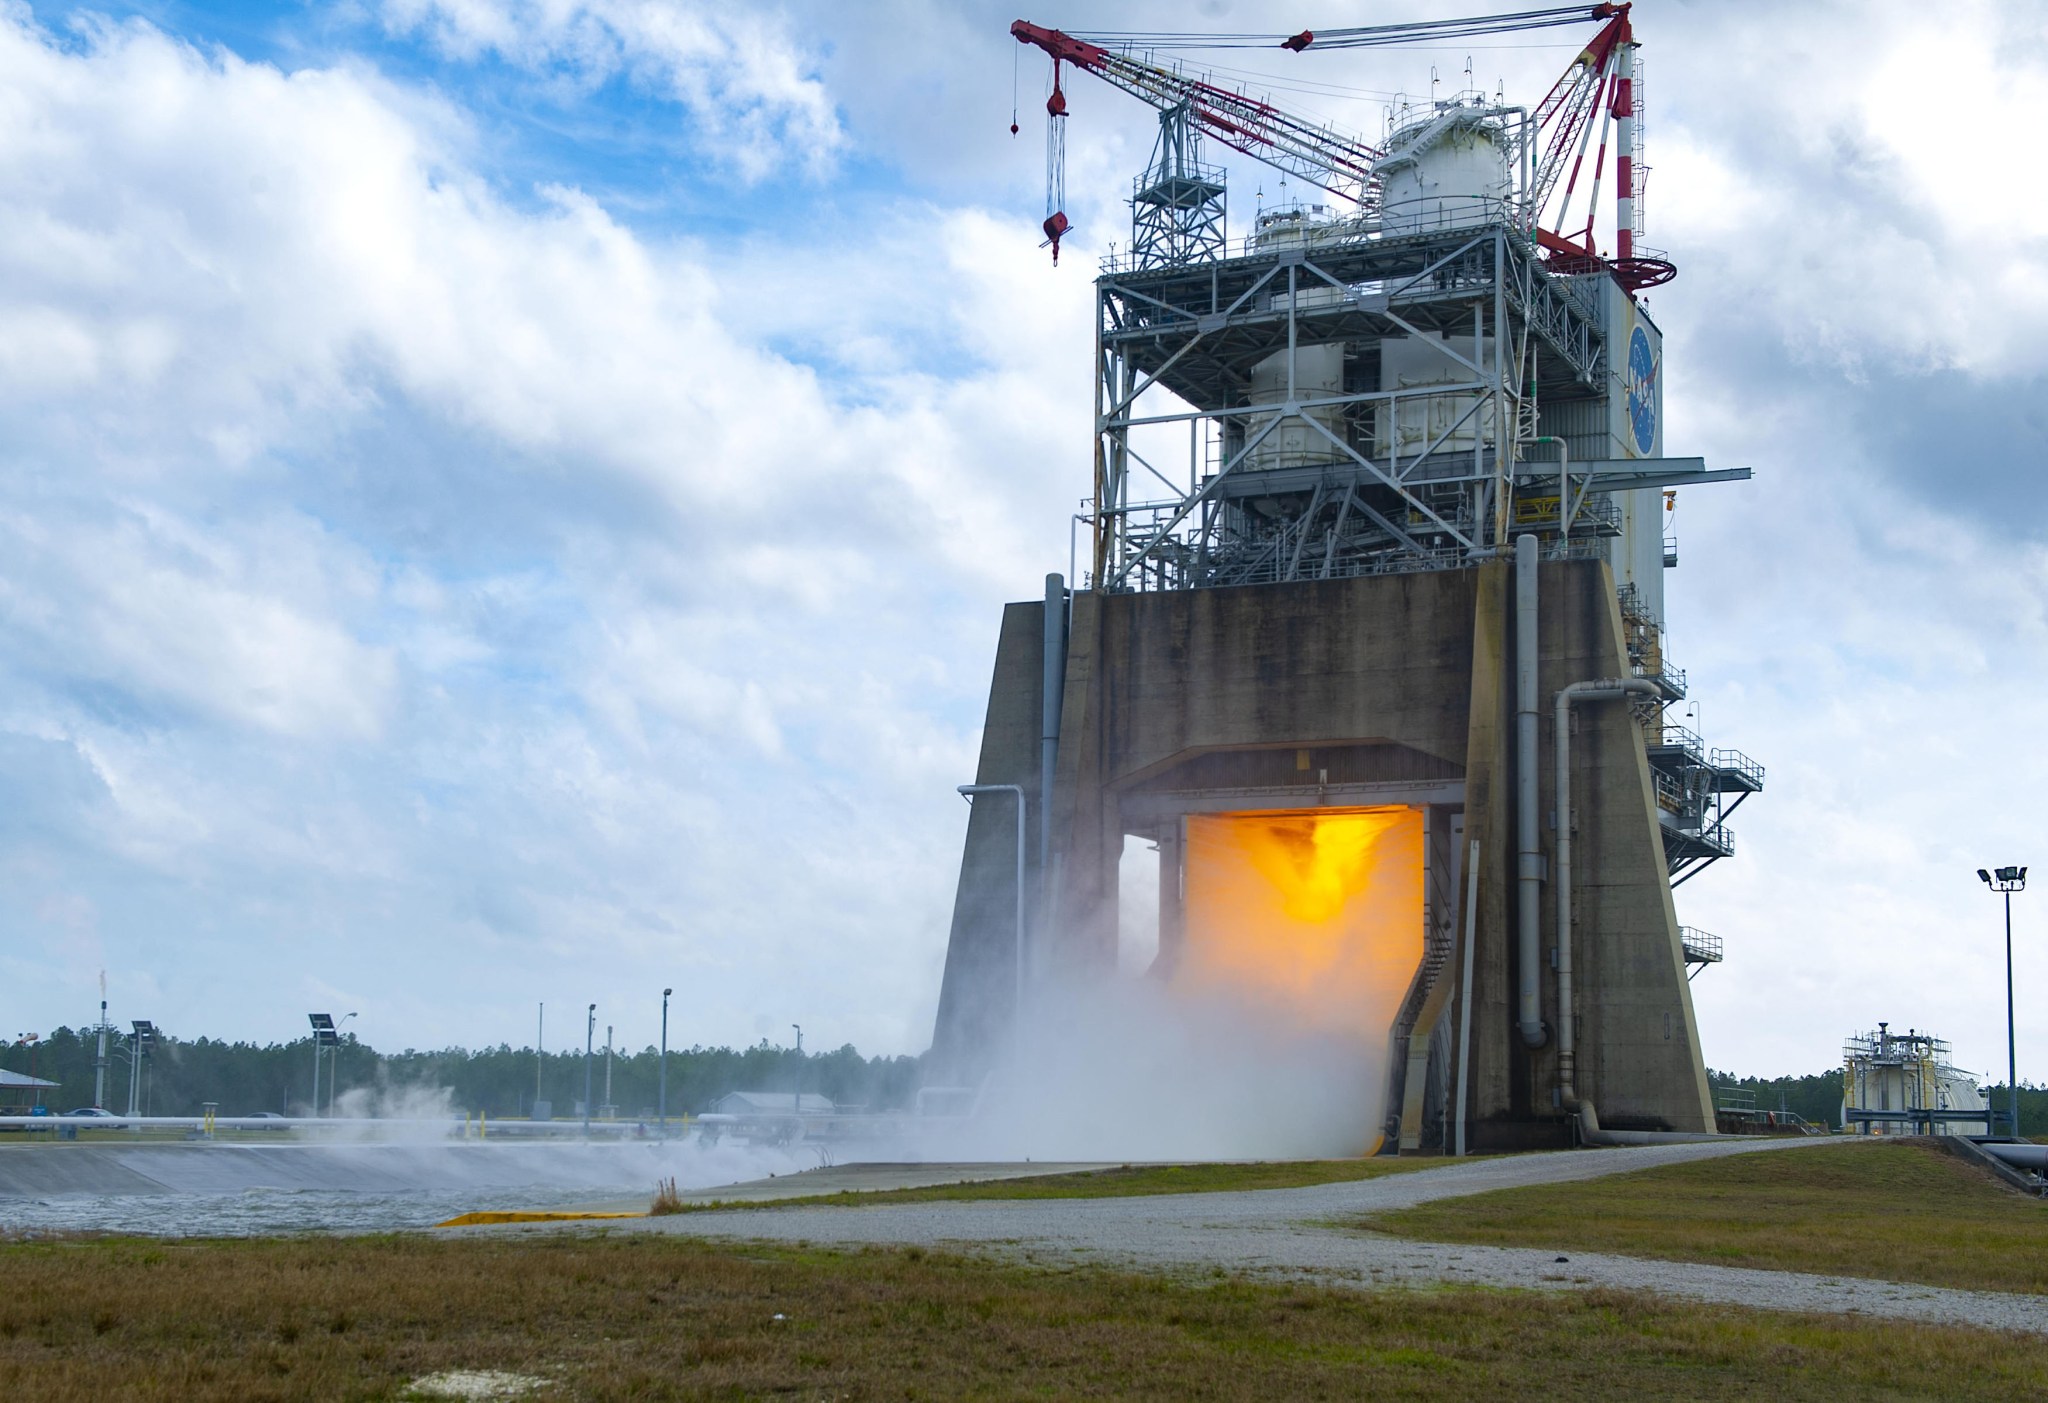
[(1606, 689), (1049, 712), (1528, 835)]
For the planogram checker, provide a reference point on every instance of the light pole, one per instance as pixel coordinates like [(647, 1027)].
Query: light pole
[(796, 1097), (540, 1051), (142, 1033), (99, 1065), (661, 1109), (589, 1043), (29, 1041), (609, 1113), (334, 1064), (2005, 881), (323, 1036)]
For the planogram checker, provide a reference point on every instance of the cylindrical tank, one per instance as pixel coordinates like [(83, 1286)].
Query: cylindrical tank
[(1294, 443), (1449, 168), (1445, 423), (1318, 369)]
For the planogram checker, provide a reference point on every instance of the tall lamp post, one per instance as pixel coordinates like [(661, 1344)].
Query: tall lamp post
[(334, 1064), (142, 1035), (796, 1098), (661, 1109), (29, 1041), (589, 1046), (2005, 881), (323, 1036)]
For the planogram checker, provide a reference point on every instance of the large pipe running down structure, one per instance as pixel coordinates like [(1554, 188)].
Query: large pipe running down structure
[(1054, 689), (1528, 836), (1608, 689)]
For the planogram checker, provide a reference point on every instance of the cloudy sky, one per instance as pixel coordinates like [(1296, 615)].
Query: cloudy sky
[(509, 500)]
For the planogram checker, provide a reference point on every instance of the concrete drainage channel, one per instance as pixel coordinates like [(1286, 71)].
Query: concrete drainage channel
[(228, 1189)]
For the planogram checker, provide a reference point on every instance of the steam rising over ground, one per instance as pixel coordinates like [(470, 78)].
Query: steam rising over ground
[(388, 1159), (1261, 1034), (1258, 1031), (239, 1189)]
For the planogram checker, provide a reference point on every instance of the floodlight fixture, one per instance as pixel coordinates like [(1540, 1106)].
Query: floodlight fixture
[(589, 1044), (2004, 881)]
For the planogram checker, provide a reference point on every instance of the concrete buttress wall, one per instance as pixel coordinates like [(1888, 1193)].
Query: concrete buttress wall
[(1400, 680), (976, 995)]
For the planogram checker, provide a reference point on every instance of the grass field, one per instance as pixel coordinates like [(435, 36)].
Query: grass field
[(1125, 1181), (1903, 1211), (648, 1316)]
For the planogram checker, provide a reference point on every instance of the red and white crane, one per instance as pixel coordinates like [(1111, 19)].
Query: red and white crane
[(1307, 150), (1598, 91)]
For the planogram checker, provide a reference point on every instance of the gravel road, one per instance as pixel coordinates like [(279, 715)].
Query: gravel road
[(1290, 1233)]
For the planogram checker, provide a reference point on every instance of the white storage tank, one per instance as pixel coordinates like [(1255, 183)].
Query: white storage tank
[(1294, 443), (1318, 369), (1452, 422), (1447, 169)]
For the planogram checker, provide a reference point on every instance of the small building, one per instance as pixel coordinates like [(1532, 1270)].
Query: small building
[(773, 1103), (20, 1094)]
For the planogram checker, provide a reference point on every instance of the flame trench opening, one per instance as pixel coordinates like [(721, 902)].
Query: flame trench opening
[(1314, 920), (1262, 1033)]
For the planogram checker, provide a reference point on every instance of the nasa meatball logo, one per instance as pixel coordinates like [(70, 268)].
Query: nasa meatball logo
[(1642, 391)]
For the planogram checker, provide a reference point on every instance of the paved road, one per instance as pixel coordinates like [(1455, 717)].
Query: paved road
[(1292, 1233)]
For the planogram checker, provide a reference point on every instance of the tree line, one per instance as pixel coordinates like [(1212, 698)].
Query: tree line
[(179, 1076)]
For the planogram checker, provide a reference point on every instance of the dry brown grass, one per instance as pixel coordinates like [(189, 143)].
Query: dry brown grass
[(666, 1199), (647, 1316), (1903, 1210)]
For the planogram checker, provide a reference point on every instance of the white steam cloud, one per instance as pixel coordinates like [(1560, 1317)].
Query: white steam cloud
[(1129, 1071)]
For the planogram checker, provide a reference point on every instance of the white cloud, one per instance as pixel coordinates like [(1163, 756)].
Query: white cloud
[(1887, 678), (1814, 178), (748, 86), (425, 574)]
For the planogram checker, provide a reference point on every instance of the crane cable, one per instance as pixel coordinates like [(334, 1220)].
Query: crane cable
[(1056, 222), (1358, 37), (1249, 123)]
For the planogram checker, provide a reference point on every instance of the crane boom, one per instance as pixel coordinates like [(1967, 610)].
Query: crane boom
[(1310, 151), (1567, 110), (1598, 89)]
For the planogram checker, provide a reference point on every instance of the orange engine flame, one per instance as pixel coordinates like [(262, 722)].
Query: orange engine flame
[(1318, 915)]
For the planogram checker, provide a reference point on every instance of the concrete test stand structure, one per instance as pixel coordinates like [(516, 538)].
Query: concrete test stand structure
[(1409, 554)]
